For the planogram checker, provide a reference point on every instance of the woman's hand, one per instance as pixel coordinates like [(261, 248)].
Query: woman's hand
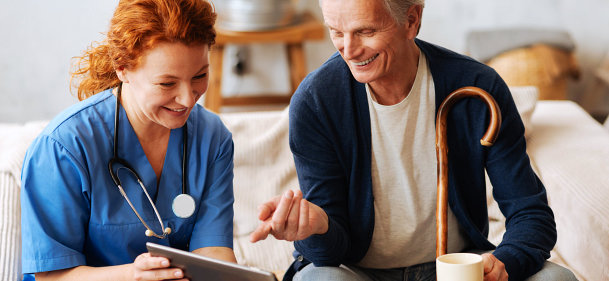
[(290, 217), (494, 269), (147, 267)]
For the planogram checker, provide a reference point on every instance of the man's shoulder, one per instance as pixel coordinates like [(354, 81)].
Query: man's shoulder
[(325, 84), (333, 70), (452, 70), (450, 60)]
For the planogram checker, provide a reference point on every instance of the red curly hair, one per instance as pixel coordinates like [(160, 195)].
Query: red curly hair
[(137, 26)]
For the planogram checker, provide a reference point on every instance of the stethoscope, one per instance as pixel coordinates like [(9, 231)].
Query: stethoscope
[(183, 205)]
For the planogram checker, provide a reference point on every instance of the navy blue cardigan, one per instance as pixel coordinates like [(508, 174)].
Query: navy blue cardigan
[(330, 139)]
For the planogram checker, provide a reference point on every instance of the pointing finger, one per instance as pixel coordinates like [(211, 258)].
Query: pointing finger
[(261, 232), (281, 213)]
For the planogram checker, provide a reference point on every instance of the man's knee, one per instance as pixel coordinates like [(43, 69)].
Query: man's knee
[(553, 272), (314, 273)]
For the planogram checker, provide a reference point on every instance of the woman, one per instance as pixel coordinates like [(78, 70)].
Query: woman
[(137, 117)]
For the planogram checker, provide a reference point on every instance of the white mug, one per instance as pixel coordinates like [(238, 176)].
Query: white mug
[(459, 267)]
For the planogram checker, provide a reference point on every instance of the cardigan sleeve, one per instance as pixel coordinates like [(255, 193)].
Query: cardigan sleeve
[(530, 227), (321, 177)]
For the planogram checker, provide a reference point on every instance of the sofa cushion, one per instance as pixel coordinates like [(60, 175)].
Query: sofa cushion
[(264, 167), (14, 140)]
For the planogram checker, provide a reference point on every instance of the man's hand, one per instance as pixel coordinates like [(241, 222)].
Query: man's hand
[(290, 217), (494, 269)]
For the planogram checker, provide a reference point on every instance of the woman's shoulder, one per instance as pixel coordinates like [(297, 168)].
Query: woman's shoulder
[(85, 113), (75, 128), (79, 124), (207, 122)]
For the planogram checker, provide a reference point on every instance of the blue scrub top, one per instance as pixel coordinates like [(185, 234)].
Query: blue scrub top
[(73, 214)]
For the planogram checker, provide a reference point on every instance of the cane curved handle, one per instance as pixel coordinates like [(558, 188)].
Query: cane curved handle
[(442, 153)]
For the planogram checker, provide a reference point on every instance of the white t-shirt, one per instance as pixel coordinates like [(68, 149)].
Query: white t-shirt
[(404, 179)]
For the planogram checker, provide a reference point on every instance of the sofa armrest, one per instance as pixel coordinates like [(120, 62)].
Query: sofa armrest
[(570, 151), (14, 141)]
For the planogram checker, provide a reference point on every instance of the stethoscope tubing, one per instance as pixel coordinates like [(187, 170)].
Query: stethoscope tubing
[(125, 165)]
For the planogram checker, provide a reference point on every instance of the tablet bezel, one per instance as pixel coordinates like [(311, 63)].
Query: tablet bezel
[(221, 270)]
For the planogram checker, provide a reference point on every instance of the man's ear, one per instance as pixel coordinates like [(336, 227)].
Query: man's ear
[(122, 75), (413, 20)]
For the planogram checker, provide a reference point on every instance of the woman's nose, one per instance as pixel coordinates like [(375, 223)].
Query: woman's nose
[(187, 96)]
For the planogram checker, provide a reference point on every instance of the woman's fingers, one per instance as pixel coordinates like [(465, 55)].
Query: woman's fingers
[(147, 267), (146, 262)]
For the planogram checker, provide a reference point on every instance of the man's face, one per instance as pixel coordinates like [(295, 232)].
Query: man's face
[(368, 38)]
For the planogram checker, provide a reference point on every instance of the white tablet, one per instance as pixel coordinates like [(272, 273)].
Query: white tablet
[(200, 268)]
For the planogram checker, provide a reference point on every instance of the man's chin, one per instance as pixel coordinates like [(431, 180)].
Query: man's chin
[(362, 78)]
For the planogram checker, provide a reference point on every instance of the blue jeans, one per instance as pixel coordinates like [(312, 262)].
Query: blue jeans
[(421, 272)]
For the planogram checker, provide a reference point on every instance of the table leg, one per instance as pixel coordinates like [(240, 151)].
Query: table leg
[(297, 62), (213, 97)]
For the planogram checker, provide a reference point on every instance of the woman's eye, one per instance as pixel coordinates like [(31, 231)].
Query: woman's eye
[(168, 84), (200, 76)]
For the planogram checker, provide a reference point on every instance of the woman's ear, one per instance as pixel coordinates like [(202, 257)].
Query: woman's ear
[(413, 20), (122, 75)]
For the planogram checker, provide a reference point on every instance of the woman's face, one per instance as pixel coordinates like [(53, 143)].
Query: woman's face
[(166, 85)]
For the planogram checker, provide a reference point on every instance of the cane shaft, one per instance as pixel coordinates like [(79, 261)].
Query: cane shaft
[(442, 153)]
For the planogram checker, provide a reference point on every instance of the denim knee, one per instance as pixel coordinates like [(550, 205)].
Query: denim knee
[(330, 273), (553, 272)]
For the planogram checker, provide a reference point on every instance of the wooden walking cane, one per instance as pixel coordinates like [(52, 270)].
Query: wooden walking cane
[(442, 153)]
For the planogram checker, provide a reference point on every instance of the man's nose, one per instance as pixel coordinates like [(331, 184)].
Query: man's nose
[(351, 47)]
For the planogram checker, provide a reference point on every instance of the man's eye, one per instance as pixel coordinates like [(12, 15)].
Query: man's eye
[(335, 33), (168, 84), (367, 32)]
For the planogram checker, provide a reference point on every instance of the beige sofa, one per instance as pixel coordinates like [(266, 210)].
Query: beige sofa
[(569, 150)]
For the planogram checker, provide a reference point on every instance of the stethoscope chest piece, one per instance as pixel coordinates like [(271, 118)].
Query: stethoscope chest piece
[(183, 206)]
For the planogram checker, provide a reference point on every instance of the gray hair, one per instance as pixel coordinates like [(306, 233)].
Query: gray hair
[(398, 8)]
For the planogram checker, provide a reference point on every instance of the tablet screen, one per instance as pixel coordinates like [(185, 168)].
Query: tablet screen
[(200, 268)]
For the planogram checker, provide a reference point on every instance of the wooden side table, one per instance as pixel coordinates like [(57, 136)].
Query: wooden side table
[(308, 28)]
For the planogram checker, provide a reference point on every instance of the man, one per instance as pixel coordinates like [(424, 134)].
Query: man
[(362, 133)]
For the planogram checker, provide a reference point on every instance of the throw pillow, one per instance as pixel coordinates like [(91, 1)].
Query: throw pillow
[(525, 98)]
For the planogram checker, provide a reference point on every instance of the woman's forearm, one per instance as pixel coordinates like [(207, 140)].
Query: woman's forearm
[(117, 272), (127, 271), (221, 253)]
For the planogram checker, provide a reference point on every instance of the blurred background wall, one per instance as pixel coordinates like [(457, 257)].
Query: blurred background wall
[(39, 39)]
